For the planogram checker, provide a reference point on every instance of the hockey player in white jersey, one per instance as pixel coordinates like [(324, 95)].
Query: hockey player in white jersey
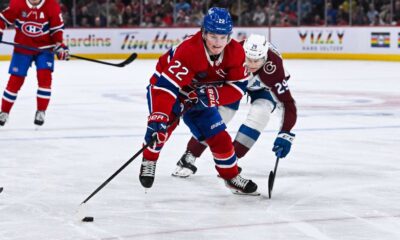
[(267, 88)]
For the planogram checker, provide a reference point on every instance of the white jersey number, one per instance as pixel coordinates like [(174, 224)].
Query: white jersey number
[(282, 87), (181, 71)]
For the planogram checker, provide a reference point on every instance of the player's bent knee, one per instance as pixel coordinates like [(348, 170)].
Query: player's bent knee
[(226, 113), (259, 114)]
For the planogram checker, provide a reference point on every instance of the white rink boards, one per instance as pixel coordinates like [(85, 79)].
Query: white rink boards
[(341, 180)]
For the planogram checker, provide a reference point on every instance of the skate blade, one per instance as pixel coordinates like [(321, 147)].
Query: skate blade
[(237, 192)]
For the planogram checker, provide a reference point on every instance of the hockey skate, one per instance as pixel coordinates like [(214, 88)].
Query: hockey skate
[(147, 173), (242, 186), (3, 118), (185, 166), (39, 118)]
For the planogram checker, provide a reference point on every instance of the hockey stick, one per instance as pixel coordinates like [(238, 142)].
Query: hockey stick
[(271, 178), (130, 59), (186, 108)]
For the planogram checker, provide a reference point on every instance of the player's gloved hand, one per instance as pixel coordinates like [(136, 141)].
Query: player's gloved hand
[(204, 97), (62, 51), (157, 126), (282, 144)]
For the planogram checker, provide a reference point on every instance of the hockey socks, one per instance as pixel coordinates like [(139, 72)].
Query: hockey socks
[(44, 90), (224, 155), (10, 93)]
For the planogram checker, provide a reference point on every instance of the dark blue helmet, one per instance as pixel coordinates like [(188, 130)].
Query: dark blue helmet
[(218, 20)]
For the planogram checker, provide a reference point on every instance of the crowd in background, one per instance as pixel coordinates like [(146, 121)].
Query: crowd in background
[(189, 13)]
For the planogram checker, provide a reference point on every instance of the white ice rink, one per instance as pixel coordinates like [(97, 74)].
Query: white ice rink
[(340, 182)]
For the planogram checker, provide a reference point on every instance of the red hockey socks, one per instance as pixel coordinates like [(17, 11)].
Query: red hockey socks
[(44, 90), (10, 93), (224, 155), (195, 147)]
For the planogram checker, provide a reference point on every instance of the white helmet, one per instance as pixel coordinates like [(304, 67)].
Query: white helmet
[(256, 46)]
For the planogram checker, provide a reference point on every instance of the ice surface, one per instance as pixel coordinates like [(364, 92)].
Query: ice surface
[(341, 180)]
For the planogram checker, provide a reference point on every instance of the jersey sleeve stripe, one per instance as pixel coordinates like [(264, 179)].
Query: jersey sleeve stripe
[(163, 75), (57, 27), (166, 90), (5, 19), (54, 32)]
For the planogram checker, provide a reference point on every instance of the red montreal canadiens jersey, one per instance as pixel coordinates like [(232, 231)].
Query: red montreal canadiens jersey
[(38, 26), (272, 76), (190, 65)]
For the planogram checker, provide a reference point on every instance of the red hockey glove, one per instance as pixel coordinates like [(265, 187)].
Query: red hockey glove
[(157, 126), (62, 51), (204, 97)]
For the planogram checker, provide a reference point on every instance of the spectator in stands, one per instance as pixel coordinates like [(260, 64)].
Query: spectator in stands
[(317, 21), (371, 14), (396, 11), (83, 18), (331, 15), (259, 16), (182, 5), (359, 17)]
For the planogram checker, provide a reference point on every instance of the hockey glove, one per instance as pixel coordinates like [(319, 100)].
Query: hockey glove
[(62, 51), (204, 97), (282, 144), (157, 126)]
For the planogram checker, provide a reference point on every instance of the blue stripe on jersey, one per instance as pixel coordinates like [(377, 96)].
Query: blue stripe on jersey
[(242, 85), (250, 132), (44, 93), (164, 83), (227, 162), (9, 96), (56, 29), (171, 52)]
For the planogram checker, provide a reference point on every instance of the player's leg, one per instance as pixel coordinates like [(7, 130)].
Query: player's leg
[(208, 123), (45, 66), (18, 70), (152, 153), (185, 166), (262, 104)]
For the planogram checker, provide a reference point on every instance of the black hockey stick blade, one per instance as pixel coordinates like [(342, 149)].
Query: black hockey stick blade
[(130, 59), (271, 179), (1, 189)]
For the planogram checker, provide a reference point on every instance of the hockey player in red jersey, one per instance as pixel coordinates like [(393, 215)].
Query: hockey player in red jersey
[(38, 24), (268, 77), (207, 68)]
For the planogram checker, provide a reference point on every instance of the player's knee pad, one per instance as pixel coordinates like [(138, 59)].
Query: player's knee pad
[(226, 113), (259, 114), (44, 78), (15, 83)]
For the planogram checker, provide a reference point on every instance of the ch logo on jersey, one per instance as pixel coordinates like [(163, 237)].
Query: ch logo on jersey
[(32, 29), (269, 67)]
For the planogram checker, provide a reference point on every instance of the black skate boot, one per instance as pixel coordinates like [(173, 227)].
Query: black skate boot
[(242, 186), (185, 166), (147, 173), (3, 118), (39, 118)]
